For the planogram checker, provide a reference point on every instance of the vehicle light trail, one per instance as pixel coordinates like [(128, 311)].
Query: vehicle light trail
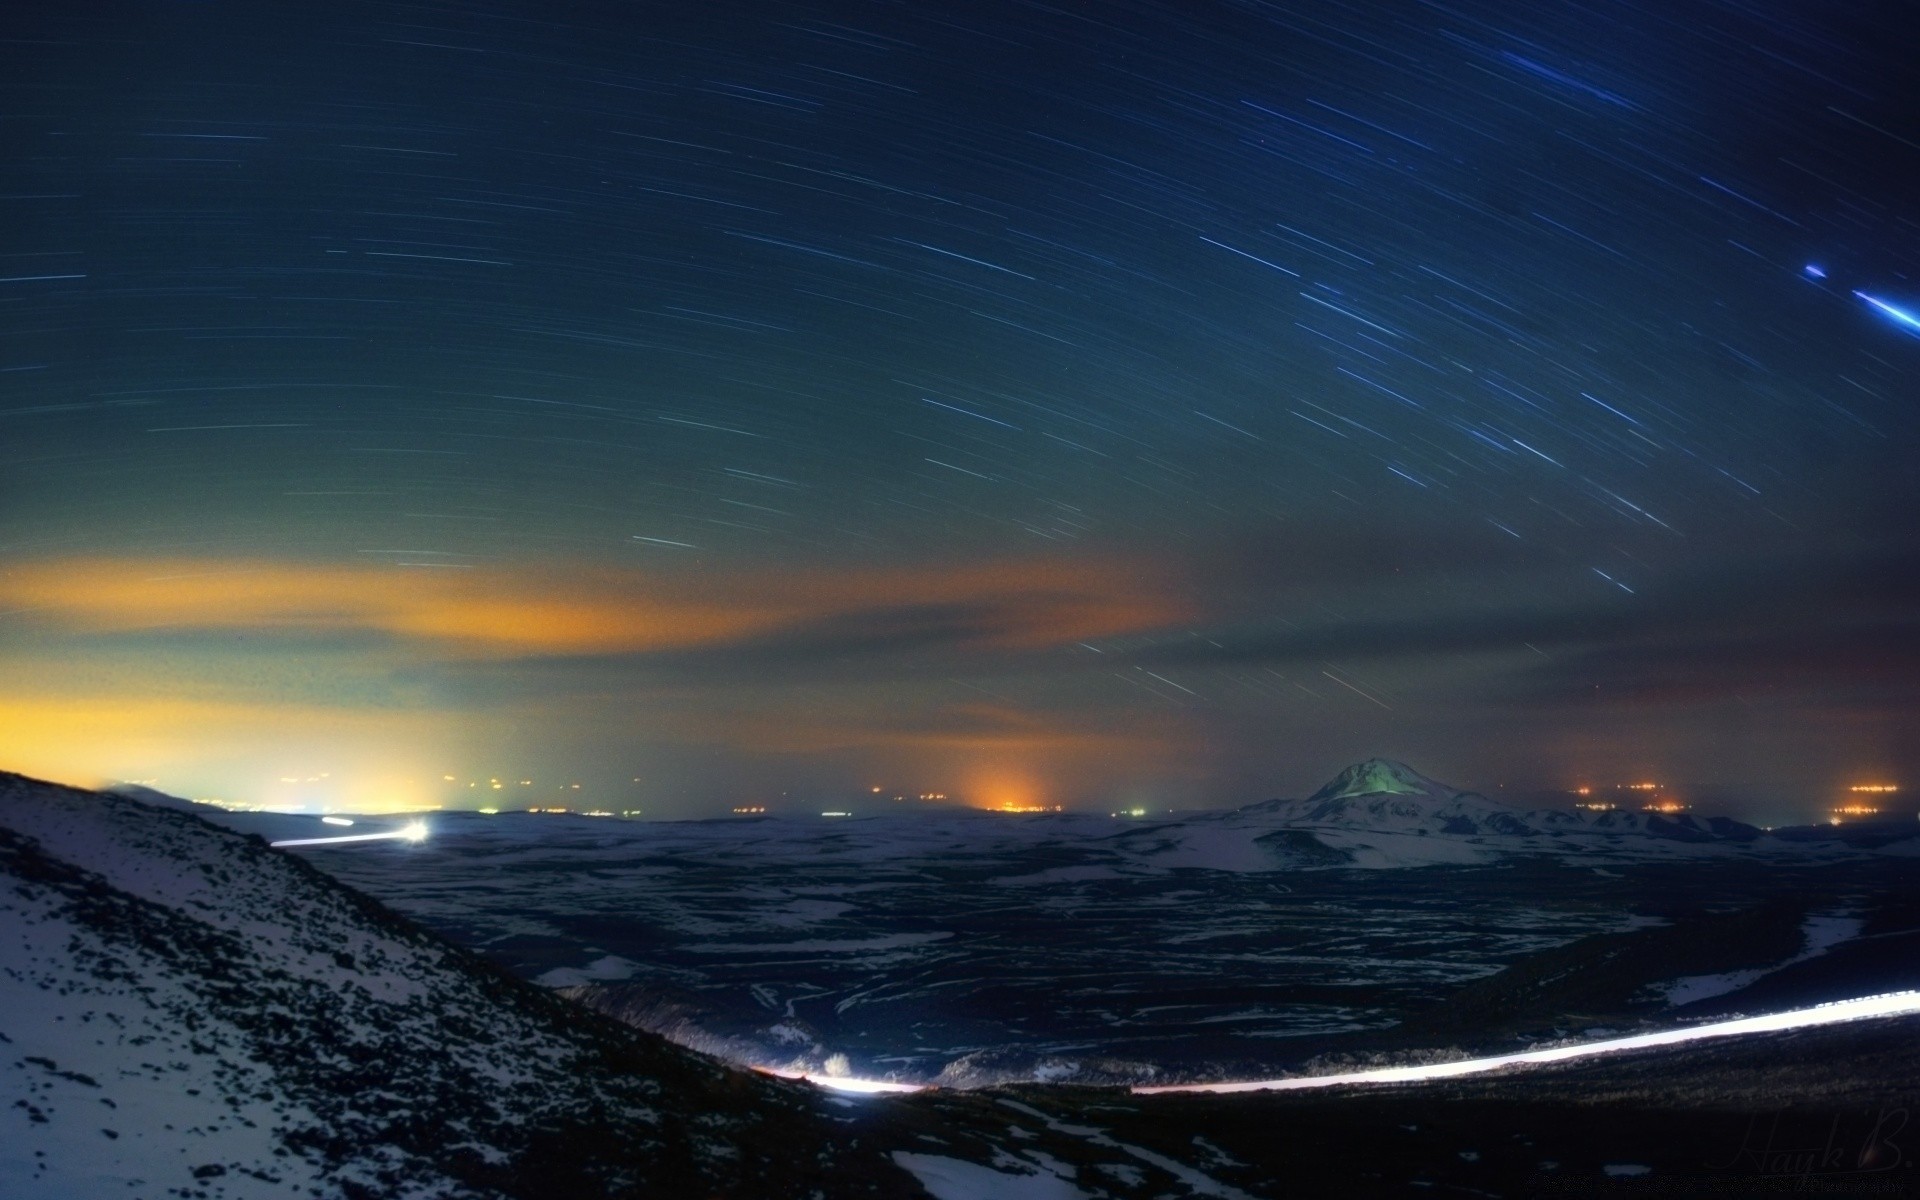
[(1888, 1004), (415, 831), (1891, 1004), (845, 1083)]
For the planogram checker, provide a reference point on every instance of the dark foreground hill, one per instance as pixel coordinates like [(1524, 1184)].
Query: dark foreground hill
[(184, 1011)]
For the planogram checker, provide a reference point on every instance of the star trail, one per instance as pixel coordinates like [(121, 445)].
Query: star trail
[(1143, 402)]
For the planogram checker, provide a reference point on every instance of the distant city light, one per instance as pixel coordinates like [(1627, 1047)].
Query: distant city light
[(836, 814), (747, 810), (1878, 788)]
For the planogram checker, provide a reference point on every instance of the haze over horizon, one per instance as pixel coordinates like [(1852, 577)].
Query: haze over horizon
[(1160, 407)]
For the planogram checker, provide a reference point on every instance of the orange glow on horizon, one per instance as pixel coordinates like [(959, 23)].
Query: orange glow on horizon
[(1004, 788), (94, 741), (108, 678)]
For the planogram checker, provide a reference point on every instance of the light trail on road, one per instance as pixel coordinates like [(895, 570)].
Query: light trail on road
[(846, 1083), (1890, 1004), (413, 832)]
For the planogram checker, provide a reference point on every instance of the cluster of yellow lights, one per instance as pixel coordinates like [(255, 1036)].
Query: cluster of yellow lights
[(1878, 788), (1665, 806), (750, 809), (915, 796), (1596, 805), (1856, 810), (496, 785), (1028, 808)]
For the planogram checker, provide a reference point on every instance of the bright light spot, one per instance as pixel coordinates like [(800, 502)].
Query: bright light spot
[(845, 1083), (1891, 1004), (1815, 271), (335, 821), (1898, 315)]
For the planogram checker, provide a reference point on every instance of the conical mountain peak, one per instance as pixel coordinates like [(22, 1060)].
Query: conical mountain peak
[(1382, 777)]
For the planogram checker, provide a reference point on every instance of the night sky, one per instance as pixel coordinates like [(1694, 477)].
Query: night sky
[(1079, 403)]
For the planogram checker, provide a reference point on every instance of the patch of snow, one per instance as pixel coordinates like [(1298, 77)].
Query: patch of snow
[(957, 1179), (1819, 933), (608, 969)]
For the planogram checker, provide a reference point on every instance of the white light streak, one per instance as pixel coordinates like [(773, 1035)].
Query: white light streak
[(1891, 1004), (1900, 316), (415, 831), (845, 1083)]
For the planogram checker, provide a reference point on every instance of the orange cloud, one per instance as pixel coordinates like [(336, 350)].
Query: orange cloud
[(560, 609)]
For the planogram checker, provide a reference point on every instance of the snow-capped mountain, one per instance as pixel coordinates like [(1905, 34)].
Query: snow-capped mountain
[(1382, 794), (184, 1011), (1382, 813)]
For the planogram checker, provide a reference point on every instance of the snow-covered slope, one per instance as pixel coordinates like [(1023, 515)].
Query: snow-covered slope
[(184, 1011), (1381, 813)]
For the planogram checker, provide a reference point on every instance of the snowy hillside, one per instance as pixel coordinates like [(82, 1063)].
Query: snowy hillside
[(184, 1011)]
